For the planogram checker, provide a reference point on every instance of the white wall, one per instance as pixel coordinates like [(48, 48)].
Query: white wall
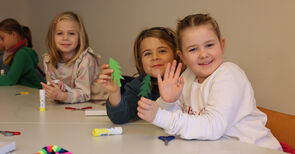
[(259, 33)]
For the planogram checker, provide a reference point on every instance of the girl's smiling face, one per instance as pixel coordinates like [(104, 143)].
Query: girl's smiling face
[(202, 51), (67, 38), (155, 55)]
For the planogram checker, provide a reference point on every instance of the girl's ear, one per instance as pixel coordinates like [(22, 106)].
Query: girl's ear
[(222, 44), (179, 53), (14, 35)]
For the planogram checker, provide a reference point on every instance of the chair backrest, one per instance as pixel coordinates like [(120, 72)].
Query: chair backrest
[(281, 125)]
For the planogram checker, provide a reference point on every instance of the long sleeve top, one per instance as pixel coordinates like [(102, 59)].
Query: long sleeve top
[(223, 105), (79, 76), (127, 109), (22, 69)]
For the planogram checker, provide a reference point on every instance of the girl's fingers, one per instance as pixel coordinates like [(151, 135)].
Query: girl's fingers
[(167, 71), (146, 101), (172, 70), (178, 71), (107, 71), (43, 85), (142, 111), (51, 82), (104, 77), (143, 105), (159, 77), (104, 66), (181, 82), (140, 115)]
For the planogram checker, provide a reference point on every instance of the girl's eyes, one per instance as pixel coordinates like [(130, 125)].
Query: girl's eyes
[(209, 45), (206, 46), (193, 49), (150, 53), (146, 53), (61, 33)]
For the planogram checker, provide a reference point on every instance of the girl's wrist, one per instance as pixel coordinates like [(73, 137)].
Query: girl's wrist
[(115, 98), (61, 96)]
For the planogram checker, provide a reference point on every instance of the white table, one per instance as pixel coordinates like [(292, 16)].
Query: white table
[(72, 130)]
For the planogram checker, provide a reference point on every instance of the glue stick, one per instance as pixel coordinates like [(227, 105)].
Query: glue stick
[(42, 100), (107, 131)]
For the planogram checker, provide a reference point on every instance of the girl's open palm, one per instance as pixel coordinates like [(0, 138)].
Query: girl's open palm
[(171, 86)]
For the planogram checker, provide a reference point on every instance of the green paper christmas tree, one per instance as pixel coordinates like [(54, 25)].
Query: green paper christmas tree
[(117, 74), (146, 85)]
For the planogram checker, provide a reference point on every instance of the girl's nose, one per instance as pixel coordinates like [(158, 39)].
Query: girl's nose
[(65, 37), (155, 56), (203, 53)]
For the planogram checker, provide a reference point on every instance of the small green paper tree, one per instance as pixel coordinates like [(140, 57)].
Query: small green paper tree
[(146, 85), (117, 74)]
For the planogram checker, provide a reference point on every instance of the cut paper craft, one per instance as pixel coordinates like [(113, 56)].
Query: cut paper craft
[(117, 74), (146, 85)]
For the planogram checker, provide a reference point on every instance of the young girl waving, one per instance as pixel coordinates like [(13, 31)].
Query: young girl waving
[(216, 98), (71, 67), (19, 60), (153, 49)]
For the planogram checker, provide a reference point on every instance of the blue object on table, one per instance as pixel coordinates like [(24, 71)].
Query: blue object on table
[(166, 139)]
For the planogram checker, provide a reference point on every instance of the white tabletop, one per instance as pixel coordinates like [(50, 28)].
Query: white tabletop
[(72, 130), (25, 109)]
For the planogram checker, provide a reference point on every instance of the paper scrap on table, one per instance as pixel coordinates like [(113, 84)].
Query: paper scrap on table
[(95, 112), (6, 147)]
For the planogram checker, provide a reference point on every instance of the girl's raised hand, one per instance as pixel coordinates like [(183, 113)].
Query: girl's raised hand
[(171, 86), (104, 79)]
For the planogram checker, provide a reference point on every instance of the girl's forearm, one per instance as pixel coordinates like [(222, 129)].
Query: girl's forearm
[(115, 98), (61, 96)]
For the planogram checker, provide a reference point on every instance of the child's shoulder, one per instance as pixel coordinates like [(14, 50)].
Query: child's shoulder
[(230, 70), (88, 55), (25, 51), (230, 67)]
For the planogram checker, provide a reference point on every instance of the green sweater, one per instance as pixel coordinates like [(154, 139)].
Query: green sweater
[(22, 70)]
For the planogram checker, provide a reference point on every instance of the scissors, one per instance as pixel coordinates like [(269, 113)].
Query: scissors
[(75, 109), (166, 139), (9, 133)]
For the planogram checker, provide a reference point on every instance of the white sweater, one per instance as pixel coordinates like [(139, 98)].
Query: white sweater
[(223, 105)]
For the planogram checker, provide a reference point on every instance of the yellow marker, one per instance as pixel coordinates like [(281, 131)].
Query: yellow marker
[(22, 93)]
